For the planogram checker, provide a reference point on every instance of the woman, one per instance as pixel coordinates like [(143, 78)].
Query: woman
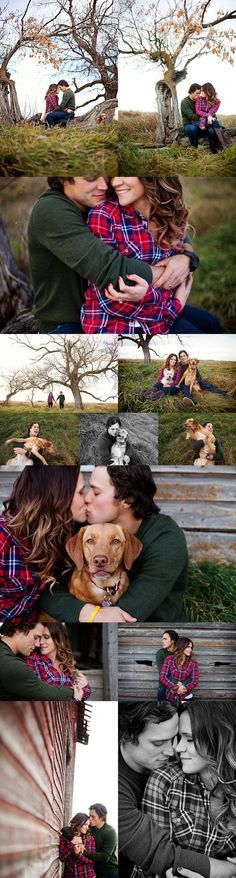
[(106, 440), (169, 640), (218, 456), (76, 862), (207, 105), (17, 680), (53, 661), (167, 381), (34, 527), (179, 672), (196, 802), (28, 459), (146, 218)]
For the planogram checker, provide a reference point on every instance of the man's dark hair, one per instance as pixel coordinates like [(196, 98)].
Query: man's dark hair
[(135, 484), (64, 82), (113, 420), (193, 87), (68, 832), (10, 628), (101, 811), (133, 718), (172, 634), (58, 182), (183, 352)]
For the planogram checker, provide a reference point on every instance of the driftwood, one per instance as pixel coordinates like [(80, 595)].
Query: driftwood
[(102, 113), (168, 111), (15, 291), (9, 106)]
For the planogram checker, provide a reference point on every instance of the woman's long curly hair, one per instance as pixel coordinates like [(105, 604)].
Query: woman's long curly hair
[(64, 652), (77, 821), (167, 361), (213, 726), (38, 512), (52, 89), (209, 92), (168, 208), (180, 646)]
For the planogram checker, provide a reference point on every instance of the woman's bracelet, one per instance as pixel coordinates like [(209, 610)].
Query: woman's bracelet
[(93, 614)]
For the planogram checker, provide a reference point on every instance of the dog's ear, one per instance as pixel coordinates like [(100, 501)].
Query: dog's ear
[(133, 548), (74, 548)]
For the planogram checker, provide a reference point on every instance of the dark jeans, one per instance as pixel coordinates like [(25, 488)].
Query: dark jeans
[(63, 327), (60, 117), (161, 692), (172, 391), (195, 320), (194, 132), (205, 385)]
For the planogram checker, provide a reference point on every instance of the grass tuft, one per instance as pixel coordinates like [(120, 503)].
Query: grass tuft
[(37, 151)]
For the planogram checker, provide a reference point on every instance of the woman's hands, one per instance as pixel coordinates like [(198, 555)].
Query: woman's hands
[(181, 689), (106, 614), (175, 271), (183, 290), (78, 691), (81, 680)]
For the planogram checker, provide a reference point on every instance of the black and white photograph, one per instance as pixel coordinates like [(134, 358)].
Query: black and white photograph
[(119, 440)]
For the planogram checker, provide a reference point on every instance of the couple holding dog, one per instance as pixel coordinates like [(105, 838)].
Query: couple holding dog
[(177, 798), (49, 670), (176, 376), (121, 251), (44, 515), (114, 446)]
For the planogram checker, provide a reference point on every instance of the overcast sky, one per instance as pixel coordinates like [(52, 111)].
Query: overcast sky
[(14, 355), (96, 764), (205, 347), (137, 78)]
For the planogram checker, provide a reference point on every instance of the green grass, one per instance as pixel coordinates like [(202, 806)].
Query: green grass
[(173, 447), (211, 593), (37, 151), (134, 375)]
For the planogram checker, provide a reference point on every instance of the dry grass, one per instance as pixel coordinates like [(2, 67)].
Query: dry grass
[(33, 151), (135, 376)]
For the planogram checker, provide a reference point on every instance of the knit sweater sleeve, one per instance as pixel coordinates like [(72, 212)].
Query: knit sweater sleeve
[(21, 682)]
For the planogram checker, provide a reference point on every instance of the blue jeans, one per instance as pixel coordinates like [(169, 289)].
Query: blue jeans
[(63, 327), (205, 385), (60, 117), (195, 320), (192, 131), (172, 391)]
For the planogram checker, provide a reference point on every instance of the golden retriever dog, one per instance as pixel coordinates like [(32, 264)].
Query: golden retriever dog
[(118, 449), (33, 444), (101, 552), (189, 377), (198, 432)]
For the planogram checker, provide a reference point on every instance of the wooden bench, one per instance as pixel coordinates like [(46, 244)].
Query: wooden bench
[(214, 649)]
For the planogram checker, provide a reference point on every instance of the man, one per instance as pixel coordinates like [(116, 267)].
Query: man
[(17, 680), (64, 254), (191, 120), (169, 640), (158, 578), (146, 735), (104, 859), (66, 109), (205, 385), (61, 397)]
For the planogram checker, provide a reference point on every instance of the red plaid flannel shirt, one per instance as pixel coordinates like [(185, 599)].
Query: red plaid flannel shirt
[(43, 667), (170, 675), (204, 109), (77, 865), (19, 587), (127, 231)]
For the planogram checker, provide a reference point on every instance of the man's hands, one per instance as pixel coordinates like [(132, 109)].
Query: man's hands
[(174, 271), (106, 614), (170, 274)]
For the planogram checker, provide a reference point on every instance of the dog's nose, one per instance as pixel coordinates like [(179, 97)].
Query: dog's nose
[(100, 560)]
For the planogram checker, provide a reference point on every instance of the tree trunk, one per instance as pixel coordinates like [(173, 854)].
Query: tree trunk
[(9, 105), (92, 118), (77, 398), (143, 343), (15, 292), (168, 112)]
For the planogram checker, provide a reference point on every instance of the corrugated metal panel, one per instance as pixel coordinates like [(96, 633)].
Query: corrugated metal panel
[(37, 755)]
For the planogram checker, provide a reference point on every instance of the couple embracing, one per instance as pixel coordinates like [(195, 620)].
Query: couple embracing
[(198, 111), (120, 250)]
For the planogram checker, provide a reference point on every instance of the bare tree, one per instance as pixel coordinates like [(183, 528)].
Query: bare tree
[(73, 362), (173, 38), (14, 382), (142, 341)]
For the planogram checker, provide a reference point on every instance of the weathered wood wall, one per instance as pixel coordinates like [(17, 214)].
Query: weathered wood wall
[(37, 764), (214, 649)]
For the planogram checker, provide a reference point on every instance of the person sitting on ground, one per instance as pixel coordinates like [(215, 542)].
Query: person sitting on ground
[(17, 680), (33, 430), (205, 385), (191, 121), (53, 660), (66, 109), (197, 444), (179, 672), (76, 842), (105, 442), (51, 98), (207, 105), (167, 380), (169, 640)]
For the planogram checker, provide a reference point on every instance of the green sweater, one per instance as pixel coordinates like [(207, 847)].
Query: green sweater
[(188, 111), (157, 581), (19, 683), (218, 457), (64, 254), (105, 859), (67, 101), (161, 655)]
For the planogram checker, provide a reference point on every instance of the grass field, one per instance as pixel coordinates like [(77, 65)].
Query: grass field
[(134, 375), (60, 427), (139, 128), (211, 593), (38, 151), (173, 447), (142, 433)]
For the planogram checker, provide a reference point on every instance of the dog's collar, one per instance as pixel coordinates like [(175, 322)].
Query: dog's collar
[(109, 590)]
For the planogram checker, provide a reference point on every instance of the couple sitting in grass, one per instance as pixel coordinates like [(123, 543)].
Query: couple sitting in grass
[(170, 381), (55, 113), (199, 110)]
